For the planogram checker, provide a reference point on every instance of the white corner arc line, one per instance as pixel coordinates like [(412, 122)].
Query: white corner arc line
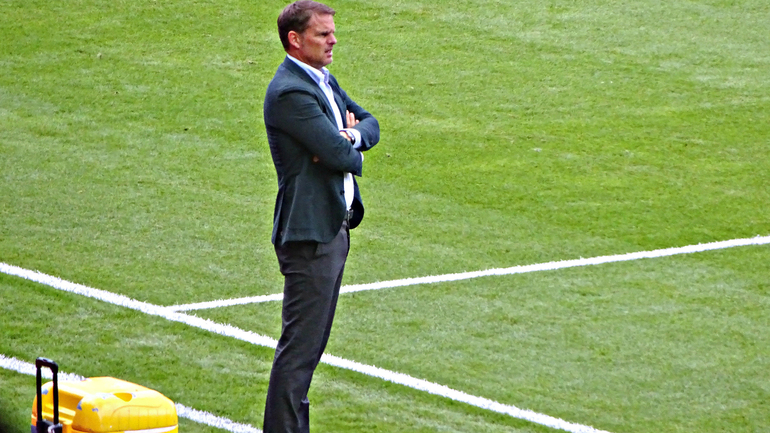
[(521, 269), (199, 416), (251, 337)]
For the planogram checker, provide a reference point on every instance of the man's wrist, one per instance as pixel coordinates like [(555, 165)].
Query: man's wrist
[(351, 138), (355, 136)]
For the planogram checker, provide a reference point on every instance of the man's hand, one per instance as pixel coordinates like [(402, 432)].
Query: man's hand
[(346, 136), (351, 119)]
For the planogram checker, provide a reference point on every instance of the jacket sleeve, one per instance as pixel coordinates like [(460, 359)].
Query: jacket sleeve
[(297, 113), (367, 126)]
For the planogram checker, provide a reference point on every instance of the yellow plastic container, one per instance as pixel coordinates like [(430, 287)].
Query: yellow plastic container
[(108, 405)]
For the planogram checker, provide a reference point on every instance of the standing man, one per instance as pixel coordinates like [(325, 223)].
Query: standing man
[(316, 135)]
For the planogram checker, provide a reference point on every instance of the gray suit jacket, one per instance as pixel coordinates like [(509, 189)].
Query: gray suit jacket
[(300, 124)]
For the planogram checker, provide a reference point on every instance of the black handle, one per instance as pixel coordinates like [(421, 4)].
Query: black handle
[(42, 425)]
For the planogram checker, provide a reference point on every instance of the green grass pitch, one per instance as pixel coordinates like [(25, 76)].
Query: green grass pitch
[(133, 159)]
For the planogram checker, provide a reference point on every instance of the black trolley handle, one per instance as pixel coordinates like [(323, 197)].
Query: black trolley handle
[(42, 425)]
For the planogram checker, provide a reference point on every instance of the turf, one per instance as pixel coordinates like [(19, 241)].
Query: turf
[(134, 160)]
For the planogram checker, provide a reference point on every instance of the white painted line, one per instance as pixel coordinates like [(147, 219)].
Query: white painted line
[(181, 410), (227, 302), (22, 367), (207, 418), (124, 301), (154, 430), (444, 391), (250, 337), (550, 266)]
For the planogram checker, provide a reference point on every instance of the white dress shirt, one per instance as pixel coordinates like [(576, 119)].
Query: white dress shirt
[(321, 77)]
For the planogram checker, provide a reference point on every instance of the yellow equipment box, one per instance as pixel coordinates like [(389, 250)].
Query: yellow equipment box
[(107, 405)]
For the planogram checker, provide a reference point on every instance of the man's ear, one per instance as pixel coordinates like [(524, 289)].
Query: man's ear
[(294, 39)]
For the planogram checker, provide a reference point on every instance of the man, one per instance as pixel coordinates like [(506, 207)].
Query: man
[(316, 135)]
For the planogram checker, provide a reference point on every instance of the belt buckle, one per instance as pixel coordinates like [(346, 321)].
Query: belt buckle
[(349, 215)]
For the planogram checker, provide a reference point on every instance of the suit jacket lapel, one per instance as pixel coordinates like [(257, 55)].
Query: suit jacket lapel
[(296, 70)]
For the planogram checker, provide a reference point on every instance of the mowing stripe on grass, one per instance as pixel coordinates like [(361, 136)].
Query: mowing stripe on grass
[(550, 266), (261, 340), (182, 411)]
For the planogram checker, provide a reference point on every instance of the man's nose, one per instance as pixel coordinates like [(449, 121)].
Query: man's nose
[(333, 40)]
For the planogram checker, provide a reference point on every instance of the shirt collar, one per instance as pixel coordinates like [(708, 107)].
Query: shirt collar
[(318, 75)]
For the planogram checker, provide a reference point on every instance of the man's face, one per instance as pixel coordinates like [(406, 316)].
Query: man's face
[(316, 42)]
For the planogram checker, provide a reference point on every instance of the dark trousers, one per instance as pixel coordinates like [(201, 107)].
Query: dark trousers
[(312, 278)]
